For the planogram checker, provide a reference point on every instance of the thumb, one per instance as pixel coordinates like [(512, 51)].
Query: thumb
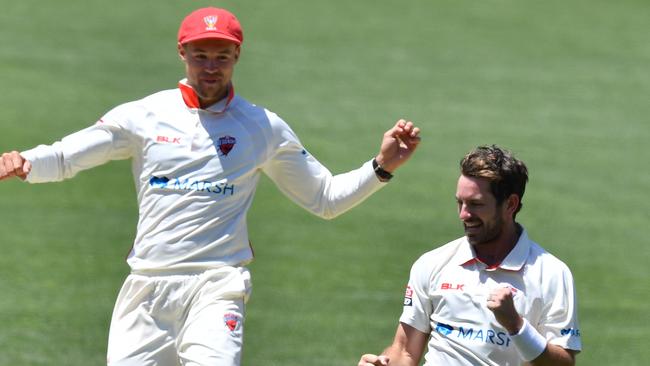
[(27, 167), (383, 360)]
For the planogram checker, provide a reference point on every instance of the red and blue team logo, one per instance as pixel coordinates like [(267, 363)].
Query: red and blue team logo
[(231, 320), (225, 144), (408, 296)]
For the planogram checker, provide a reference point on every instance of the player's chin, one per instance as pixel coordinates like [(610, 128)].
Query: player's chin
[(472, 230), (473, 238), (209, 87)]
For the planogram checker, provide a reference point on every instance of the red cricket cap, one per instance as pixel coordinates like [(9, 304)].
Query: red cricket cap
[(210, 22)]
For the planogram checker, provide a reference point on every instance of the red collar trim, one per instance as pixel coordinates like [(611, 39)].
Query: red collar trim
[(514, 261), (191, 99), (476, 260), (189, 95)]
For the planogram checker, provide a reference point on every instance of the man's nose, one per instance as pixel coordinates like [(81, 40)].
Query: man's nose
[(212, 65), (463, 212)]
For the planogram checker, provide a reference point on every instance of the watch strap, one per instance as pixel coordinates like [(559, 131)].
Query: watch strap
[(382, 174)]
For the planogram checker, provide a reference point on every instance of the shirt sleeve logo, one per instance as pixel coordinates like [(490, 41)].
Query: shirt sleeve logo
[(225, 144), (231, 320), (408, 296)]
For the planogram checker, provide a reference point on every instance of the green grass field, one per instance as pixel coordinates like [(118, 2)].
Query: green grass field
[(564, 85)]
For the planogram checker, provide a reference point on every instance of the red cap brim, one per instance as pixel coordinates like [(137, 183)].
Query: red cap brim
[(211, 35)]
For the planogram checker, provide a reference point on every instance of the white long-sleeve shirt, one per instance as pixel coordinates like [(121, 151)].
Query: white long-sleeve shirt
[(196, 172)]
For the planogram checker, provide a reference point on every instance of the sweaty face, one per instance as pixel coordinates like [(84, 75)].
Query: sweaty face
[(483, 219), (209, 65)]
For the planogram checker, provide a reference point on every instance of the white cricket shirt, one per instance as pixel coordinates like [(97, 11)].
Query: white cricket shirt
[(196, 171), (447, 294)]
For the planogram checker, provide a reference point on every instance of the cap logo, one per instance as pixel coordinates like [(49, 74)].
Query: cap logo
[(210, 22)]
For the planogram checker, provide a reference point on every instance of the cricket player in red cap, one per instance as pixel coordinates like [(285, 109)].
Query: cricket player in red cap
[(197, 153)]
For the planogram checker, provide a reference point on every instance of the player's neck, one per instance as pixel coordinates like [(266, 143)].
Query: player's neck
[(494, 252), (207, 102)]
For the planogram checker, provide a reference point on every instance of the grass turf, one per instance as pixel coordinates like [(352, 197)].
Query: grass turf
[(562, 84)]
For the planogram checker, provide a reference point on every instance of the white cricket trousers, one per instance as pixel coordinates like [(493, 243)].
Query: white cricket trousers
[(180, 320)]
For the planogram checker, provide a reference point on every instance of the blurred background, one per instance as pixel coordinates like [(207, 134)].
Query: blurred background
[(564, 85)]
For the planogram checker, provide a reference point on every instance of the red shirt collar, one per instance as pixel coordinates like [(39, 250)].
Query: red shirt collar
[(191, 99)]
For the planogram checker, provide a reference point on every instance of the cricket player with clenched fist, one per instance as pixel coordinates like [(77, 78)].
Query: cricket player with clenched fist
[(197, 153), (493, 297)]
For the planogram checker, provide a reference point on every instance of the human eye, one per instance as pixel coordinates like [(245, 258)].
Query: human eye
[(199, 56), (224, 57)]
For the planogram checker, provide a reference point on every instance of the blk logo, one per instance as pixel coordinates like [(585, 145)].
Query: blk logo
[(450, 286), (168, 140)]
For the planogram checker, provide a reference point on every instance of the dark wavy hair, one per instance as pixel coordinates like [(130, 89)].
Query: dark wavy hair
[(506, 174)]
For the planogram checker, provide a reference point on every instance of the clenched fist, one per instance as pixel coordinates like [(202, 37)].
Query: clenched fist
[(501, 303), (373, 360), (12, 164)]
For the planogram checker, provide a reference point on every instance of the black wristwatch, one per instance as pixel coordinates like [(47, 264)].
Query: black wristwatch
[(383, 175)]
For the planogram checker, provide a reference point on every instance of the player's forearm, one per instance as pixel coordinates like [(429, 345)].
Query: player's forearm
[(308, 183), (47, 164), (554, 356), (79, 151), (349, 189), (400, 357), (535, 349), (407, 347)]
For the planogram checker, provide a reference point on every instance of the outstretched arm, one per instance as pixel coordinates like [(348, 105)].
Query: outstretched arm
[(12, 164), (311, 185), (406, 350), (398, 145)]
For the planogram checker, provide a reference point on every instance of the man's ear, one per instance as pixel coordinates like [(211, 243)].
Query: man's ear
[(237, 52), (181, 51), (512, 203)]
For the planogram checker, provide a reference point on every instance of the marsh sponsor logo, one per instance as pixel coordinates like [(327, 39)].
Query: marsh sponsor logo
[(574, 332), (490, 336), (444, 329), (220, 187)]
